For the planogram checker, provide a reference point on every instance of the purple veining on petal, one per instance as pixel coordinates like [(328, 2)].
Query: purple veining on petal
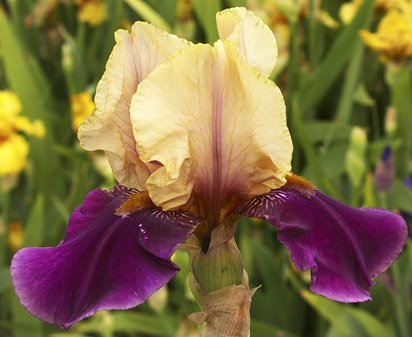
[(104, 262), (214, 194), (344, 247)]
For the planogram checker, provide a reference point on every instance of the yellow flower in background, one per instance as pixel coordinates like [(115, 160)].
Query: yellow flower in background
[(13, 154), (393, 38), (13, 147), (349, 9), (384, 5), (35, 128), (82, 106), (41, 12), (10, 107), (93, 12), (184, 9)]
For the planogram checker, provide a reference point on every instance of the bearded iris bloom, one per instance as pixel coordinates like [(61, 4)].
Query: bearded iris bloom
[(195, 135)]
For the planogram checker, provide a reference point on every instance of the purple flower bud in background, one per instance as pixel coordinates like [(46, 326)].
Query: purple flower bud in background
[(407, 215), (384, 171), (408, 182)]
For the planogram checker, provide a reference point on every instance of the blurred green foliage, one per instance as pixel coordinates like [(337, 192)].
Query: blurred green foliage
[(331, 84)]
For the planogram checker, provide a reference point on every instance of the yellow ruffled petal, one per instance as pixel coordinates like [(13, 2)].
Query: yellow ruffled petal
[(216, 124), (134, 56), (13, 154), (251, 35)]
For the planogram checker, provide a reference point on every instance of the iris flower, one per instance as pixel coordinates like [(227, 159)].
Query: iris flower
[(195, 134)]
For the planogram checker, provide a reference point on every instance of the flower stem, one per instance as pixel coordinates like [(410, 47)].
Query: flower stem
[(220, 285)]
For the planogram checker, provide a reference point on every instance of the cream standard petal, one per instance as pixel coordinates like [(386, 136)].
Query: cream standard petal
[(134, 56), (216, 124), (253, 37)]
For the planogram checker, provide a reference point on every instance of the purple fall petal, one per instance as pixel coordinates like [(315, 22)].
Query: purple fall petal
[(104, 262), (344, 247)]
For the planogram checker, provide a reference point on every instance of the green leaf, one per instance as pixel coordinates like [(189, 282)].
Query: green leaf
[(66, 334), (23, 73), (34, 227), (346, 100), (130, 322), (166, 8), (24, 324), (402, 276), (341, 51), (237, 3), (275, 302), (206, 13), (401, 89), (148, 14), (263, 329), (5, 281), (72, 64), (346, 319), (362, 96), (318, 128), (321, 179), (355, 161), (400, 197), (334, 332), (26, 79), (133, 322)]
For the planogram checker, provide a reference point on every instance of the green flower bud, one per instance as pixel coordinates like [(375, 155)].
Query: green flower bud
[(391, 122), (355, 156), (221, 267)]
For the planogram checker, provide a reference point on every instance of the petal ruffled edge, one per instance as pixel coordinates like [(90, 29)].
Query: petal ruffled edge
[(255, 40), (135, 55)]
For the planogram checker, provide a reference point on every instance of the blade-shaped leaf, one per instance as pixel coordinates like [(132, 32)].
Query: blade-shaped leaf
[(348, 320)]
